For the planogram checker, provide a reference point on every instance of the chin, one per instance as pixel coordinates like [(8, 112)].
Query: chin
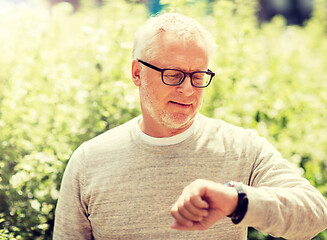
[(177, 121)]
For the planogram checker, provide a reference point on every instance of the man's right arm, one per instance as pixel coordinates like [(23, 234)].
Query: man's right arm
[(71, 218)]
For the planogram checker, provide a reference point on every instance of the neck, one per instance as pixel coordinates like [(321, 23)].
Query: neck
[(162, 131)]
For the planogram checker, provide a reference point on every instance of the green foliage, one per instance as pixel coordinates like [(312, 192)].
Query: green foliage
[(67, 78)]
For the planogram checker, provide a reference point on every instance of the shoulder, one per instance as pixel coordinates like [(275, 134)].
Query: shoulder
[(228, 138), (113, 139), (225, 129)]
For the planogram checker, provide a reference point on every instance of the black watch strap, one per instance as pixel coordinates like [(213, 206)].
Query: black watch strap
[(242, 205)]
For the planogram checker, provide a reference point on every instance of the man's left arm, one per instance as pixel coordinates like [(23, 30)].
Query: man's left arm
[(280, 201)]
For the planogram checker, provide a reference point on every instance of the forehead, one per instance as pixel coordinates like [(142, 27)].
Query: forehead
[(189, 53)]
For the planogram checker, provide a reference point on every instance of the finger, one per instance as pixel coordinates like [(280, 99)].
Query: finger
[(183, 211), (195, 226), (178, 226), (184, 207), (199, 202), (195, 210), (180, 219), (188, 210)]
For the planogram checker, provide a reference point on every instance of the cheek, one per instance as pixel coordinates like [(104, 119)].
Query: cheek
[(155, 89), (149, 82), (149, 93), (199, 95)]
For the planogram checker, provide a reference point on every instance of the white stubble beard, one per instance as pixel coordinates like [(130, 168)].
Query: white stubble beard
[(163, 117)]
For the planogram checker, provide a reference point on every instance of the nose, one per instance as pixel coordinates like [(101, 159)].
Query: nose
[(186, 86)]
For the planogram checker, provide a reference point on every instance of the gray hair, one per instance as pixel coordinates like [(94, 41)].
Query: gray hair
[(183, 26)]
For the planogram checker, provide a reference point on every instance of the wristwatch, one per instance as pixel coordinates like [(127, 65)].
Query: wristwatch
[(242, 205)]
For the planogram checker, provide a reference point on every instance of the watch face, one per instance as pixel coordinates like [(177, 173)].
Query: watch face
[(230, 184)]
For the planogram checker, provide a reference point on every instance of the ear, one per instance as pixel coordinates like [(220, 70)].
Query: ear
[(136, 73)]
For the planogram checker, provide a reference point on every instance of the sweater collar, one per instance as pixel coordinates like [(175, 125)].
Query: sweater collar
[(168, 140)]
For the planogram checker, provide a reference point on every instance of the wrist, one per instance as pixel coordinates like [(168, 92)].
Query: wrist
[(233, 201)]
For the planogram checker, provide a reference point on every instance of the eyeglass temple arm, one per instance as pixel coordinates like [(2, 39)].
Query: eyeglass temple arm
[(149, 65), (212, 73)]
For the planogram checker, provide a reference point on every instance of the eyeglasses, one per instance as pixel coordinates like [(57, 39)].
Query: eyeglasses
[(175, 77)]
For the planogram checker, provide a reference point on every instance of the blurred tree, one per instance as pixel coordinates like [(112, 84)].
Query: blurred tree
[(294, 11), (75, 3), (67, 79)]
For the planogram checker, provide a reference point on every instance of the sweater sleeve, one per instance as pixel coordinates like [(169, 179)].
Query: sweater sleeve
[(71, 217), (281, 202)]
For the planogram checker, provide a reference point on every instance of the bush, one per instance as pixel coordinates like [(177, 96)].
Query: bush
[(67, 79)]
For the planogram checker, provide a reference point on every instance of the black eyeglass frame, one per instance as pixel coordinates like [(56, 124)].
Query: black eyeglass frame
[(162, 70)]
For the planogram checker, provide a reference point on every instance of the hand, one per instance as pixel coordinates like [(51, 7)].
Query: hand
[(202, 204)]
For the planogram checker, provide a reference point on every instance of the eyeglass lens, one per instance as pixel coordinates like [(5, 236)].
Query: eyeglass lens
[(174, 77)]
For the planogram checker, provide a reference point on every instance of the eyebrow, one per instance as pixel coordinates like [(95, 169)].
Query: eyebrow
[(184, 70)]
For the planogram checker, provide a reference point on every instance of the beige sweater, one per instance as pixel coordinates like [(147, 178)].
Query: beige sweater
[(116, 186)]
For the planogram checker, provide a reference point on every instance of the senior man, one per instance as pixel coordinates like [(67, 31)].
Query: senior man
[(124, 183)]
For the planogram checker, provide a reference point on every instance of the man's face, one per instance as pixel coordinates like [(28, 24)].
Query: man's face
[(169, 110)]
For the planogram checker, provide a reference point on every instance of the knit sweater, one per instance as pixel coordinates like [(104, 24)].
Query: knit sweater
[(117, 186)]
